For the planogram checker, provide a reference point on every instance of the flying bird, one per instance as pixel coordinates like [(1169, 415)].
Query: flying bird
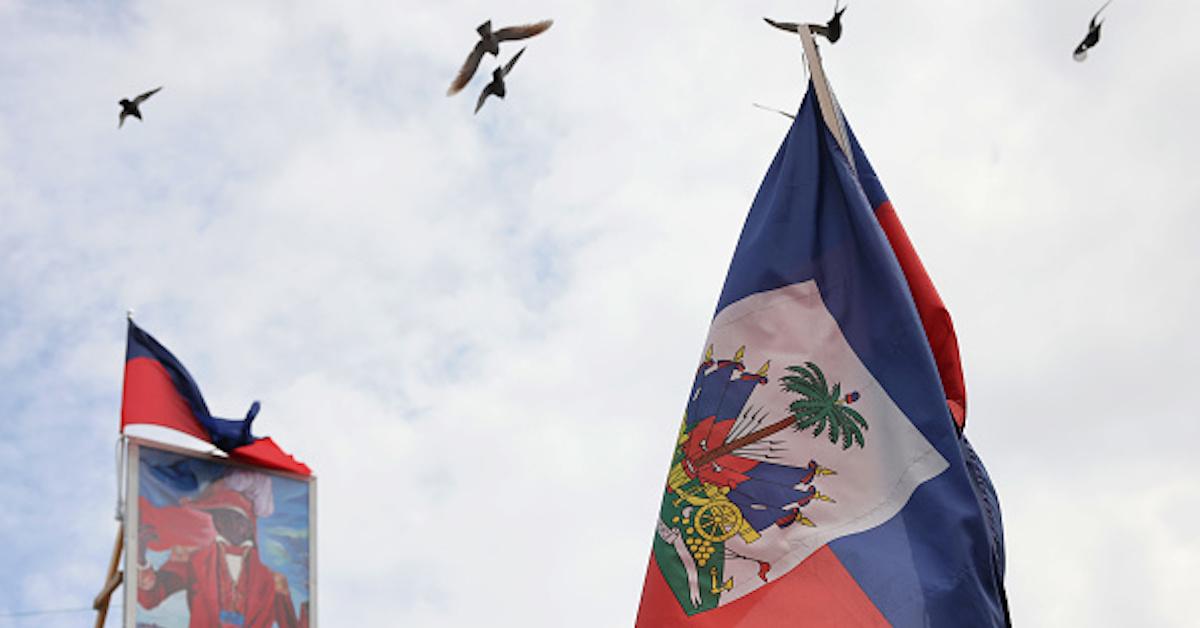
[(831, 31), (130, 107), (489, 42), (1093, 36), (496, 87)]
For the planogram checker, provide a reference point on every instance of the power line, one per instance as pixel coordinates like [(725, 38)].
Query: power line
[(53, 611)]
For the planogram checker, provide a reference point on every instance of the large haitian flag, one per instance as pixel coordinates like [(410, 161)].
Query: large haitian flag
[(820, 476), (160, 391)]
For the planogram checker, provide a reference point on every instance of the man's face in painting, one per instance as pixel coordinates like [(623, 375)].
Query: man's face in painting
[(232, 525)]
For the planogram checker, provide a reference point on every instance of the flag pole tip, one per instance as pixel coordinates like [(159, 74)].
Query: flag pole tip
[(129, 314)]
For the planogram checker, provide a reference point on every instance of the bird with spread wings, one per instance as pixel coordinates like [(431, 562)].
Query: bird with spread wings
[(496, 87), (1093, 36), (130, 107), (831, 30), (489, 43)]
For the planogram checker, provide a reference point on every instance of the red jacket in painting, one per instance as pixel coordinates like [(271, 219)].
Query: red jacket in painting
[(259, 598)]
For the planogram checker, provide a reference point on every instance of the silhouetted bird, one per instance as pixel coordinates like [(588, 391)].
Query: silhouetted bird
[(831, 31), (489, 42), (130, 108), (1092, 38), (496, 87)]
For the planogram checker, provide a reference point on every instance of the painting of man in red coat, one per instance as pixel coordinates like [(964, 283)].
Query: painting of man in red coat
[(213, 556)]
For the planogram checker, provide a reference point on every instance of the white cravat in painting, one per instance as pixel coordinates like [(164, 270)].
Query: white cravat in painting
[(791, 326)]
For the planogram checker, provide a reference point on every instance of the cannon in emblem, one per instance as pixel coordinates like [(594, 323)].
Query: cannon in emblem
[(716, 518)]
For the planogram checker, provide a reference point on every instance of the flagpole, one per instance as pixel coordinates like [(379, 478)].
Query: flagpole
[(825, 98), (122, 449)]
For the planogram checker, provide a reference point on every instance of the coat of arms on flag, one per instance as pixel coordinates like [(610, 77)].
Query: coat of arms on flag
[(768, 465)]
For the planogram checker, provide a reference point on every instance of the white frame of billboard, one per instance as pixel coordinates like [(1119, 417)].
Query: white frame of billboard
[(132, 488)]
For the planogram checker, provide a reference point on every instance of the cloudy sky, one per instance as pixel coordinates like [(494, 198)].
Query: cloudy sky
[(479, 330)]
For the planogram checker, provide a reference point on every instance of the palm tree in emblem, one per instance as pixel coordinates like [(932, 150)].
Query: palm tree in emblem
[(824, 407), (819, 405)]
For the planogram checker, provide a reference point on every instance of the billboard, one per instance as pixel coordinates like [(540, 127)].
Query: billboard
[(212, 543)]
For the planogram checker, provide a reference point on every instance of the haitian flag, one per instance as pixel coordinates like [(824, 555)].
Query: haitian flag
[(160, 391), (820, 476)]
